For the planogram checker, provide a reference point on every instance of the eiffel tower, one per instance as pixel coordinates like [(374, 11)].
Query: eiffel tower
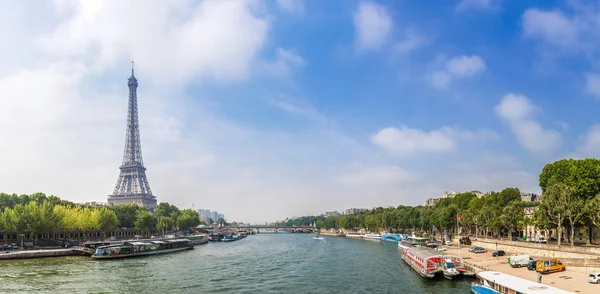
[(132, 185)]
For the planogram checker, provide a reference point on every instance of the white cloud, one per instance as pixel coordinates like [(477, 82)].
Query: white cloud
[(285, 61), (465, 66), (590, 146), (170, 41), (404, 141), (478, 5), (592, 84), (292, 6), (518, 111), (440, 78), (412, 41), (373, 25), (458, 67), (551, 26)]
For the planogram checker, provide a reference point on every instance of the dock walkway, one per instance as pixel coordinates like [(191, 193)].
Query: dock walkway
[(25, 254)]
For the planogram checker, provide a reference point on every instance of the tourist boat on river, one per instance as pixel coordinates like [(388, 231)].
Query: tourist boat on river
[(491, 282), (142, 248), (411, 242), (230, 238), (391, 238), (423, 260), (372, 237), (197, 239)]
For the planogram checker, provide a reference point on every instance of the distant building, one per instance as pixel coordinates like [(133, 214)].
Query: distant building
[(432, 201), (530, 197), (94, 203), (354, 210), (477, 193), (332, 213), (206, 214), (449, 194)]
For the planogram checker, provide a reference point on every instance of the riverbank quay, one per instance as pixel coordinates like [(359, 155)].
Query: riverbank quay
[(333, 234), (568, 280), (41, 253), (584, 259)]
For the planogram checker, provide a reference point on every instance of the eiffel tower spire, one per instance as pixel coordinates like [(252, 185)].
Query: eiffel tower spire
[(132, 185)]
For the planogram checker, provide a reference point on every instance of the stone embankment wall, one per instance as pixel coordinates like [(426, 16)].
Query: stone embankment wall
[(580, 259)]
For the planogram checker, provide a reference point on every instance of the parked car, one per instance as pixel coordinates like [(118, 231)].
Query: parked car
[(479, 250), (6, 247), (550, 266), (520, 260), (498, 253), (14, 246), (532, 264), (594, 278)]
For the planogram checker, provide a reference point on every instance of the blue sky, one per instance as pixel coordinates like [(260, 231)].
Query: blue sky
[(269, 109)]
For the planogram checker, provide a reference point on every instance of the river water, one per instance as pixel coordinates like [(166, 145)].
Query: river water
[(262, 263)]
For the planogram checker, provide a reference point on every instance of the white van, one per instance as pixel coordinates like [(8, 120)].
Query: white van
[(520, 260)]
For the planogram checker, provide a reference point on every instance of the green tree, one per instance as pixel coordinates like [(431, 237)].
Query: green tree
[(512, 215), (145, 221), (106, 219), (166, 209), (188, 219), (126, 214), (164, 223), (552, 207)]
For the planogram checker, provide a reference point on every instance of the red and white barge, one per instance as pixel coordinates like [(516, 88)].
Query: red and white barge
[(425, 261)]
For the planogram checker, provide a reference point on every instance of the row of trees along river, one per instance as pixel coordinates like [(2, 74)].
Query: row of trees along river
[(570, 200), (38, 213)]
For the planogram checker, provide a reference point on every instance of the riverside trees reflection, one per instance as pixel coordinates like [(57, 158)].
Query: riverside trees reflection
[(38, 213)]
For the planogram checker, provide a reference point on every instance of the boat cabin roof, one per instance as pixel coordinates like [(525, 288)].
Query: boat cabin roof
[(424, 253), (518, 284), (417, 238), (159, 242)]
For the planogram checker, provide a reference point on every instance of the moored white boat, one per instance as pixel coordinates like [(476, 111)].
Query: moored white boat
[(412, 241), (449, 270), (354, 235), (197, 238), (318, 238), (372, 237), (141, 248), (423, 260)]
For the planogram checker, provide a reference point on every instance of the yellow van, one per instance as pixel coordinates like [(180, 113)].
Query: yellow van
[(549, 266)]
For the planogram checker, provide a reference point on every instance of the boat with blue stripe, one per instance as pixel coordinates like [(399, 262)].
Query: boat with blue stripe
[(395, 238)]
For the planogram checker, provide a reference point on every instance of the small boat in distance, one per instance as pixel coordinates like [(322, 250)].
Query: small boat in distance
[(372, 237), (230, 238), (354, 235), (141, 248), (318, 238)]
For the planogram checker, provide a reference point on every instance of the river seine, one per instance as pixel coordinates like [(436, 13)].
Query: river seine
[(263, 263)]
